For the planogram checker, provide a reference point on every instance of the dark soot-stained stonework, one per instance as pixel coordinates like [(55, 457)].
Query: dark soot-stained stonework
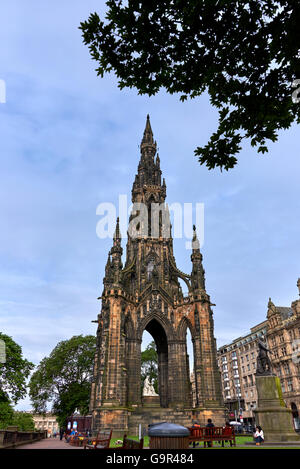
[(146, 294)]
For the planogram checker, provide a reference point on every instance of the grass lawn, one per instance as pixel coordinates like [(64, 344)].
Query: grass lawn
[(240, 440)]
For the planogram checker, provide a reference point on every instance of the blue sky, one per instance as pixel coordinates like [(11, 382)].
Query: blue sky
[(69, 141)]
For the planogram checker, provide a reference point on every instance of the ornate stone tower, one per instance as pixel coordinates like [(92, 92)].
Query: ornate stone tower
[(145, 294)]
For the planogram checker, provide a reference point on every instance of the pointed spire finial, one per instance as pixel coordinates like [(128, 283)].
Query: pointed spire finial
[(195, 241), (270, 304), (117, 234), (298, 285), (148, 134)]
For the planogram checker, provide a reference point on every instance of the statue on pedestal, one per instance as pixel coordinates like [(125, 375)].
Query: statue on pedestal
[(148, 389), (264, 366)]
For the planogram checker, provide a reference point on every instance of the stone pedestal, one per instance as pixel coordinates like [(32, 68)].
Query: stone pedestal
[(271, 413), (151, 401)]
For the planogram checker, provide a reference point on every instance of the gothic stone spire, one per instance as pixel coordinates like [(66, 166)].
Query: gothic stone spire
[(149, 172)]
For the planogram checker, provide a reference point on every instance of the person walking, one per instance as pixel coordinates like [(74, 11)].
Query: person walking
[(258, 435)]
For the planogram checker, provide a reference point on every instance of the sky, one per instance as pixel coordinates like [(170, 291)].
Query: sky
[(69, 141)]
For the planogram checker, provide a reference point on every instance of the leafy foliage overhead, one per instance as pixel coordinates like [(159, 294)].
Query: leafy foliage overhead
[(245, 54), (64, 378), (14, 372)]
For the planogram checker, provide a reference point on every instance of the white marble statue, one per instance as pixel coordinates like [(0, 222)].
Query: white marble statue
[(148, 389)]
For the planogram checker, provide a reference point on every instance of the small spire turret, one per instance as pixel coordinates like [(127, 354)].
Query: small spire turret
[(198, 273)]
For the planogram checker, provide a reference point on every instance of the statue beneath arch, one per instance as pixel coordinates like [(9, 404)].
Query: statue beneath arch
[(145, 294), (148, 388)]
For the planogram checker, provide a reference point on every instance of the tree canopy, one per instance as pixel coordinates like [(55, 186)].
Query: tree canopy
[(13, 372), (64, 378), (149, 365), (244, 54), (8, 416)]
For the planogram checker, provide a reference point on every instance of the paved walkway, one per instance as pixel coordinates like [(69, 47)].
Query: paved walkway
[(49, 443), (55, 443)]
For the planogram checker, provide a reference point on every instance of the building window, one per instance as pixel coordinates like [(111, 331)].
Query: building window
[(290, 385), (283, 351)]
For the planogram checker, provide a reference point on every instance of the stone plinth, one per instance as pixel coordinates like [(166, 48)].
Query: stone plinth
[(271, 413), (151, 401)]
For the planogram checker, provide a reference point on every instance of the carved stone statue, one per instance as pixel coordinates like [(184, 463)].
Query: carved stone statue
[(148, 389), (264, 366)]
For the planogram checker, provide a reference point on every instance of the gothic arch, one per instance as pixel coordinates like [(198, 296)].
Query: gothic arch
[(182, 328), (179, 275), (162, 332), (162, 321), (151, 196)]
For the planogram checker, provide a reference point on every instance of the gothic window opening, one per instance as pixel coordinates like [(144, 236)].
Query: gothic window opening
[(150, 268), (155, 333)]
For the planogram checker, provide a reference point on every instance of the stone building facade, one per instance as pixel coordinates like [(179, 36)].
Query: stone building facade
[(283, 338), (145, 294), (46, 422), (237, 364)]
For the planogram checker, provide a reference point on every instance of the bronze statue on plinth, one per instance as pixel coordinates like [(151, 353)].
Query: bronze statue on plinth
[(264, 366)]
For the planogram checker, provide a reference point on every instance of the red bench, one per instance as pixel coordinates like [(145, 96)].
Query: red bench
[(210, 434)]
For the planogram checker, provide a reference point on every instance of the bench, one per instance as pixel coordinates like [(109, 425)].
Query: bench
[(102, 441), (78, 440), (210, 434), (128, 443)]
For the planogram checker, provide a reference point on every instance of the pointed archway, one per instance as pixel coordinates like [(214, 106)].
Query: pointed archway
[(158, 333)]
